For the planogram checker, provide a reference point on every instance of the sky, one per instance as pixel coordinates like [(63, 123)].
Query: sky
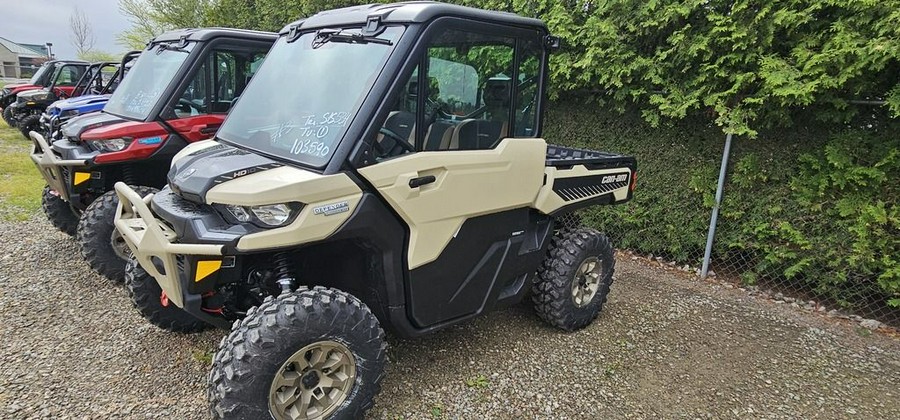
[(42, 21)]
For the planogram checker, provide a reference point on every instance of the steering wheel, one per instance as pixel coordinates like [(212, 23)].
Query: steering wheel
[(398, 140), (182, 103)]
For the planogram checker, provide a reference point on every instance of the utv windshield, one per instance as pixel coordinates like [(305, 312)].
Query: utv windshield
[(307, 92), (42, 75), (152, 73)]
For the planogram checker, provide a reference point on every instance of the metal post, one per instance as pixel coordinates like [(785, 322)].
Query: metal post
[(715, 212)]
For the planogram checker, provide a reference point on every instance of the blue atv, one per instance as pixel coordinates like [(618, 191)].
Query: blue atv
[(93, 100)]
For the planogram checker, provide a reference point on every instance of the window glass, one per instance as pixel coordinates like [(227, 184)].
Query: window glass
[(152, 73), (528, 90), (41, 76), (217, 84), (307, 92), (400, 125), (468, 91), (193, 99), (68, 75)]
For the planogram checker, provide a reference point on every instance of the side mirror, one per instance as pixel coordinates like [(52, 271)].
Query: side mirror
[(552, 43)]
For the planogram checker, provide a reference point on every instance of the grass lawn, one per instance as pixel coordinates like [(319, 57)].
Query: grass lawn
[(20, 182)]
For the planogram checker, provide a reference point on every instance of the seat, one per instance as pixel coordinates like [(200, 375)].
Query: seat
[(439, 136), (402, 123), (477, 134)]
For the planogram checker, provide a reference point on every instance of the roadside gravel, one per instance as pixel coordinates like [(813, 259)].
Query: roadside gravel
[(666, 345)]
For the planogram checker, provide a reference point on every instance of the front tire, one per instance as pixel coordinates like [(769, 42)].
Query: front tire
[(574, 281), (58, 212), (29, 124), (9, 117), (147, 297), (308, 354), (101, 245)]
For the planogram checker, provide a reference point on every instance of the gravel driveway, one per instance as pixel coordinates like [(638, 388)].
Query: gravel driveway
[(665, 346)]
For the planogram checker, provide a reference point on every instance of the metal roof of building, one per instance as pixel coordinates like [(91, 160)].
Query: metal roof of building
[(19, 50), (38, 48)]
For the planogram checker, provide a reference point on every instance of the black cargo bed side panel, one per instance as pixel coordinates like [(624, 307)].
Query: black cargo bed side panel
[(567, 157)]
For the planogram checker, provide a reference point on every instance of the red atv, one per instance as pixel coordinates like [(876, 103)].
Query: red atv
[(51, 73), (178, 92)]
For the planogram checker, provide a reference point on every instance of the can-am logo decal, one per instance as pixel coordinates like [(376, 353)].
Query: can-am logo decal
[(609, 179), (151, 140), (332, 209)]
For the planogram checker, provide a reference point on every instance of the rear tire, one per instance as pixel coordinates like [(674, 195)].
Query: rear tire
[(29, 124), (101, 245), (59, 212), (574, 281), (146, 295), (283, 338)]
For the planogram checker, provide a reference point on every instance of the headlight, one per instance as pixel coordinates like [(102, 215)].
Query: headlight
[(239, 213), (40, 96), (111, 145), (268, 215), (272, 214), (69, 113)]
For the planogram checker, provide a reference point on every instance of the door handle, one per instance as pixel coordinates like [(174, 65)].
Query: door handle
[(210, 129), (422, 180)]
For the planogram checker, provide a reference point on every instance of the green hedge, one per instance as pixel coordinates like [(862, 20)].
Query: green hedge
[(813, 205)]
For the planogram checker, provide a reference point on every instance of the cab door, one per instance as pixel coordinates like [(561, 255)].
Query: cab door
[(198, 109), (466, 190), (66, 79)]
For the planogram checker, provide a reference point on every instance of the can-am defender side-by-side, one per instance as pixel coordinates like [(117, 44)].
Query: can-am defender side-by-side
[(397, 178), (92, 101), (31, 106), (53, 79), (41, 78), (177, 93)]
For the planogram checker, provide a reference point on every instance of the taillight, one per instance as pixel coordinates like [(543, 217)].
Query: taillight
[(633, 180)]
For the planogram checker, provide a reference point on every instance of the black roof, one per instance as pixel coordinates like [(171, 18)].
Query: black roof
[(103, 63), (206, 34), (60, 62), (409, 12)]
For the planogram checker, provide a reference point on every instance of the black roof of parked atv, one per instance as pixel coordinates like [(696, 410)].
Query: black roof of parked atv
[(205, 34), (407, 12)]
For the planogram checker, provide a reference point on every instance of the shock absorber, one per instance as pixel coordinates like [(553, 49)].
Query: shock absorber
[(128, 174), (284, 271)]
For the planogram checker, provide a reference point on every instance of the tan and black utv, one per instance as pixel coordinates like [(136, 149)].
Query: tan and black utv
[(397, 178)]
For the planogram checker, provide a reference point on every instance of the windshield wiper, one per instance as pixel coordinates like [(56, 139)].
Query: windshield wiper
[(325, 36)]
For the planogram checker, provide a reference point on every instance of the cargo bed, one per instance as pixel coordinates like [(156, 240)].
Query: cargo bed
[(566, 157)]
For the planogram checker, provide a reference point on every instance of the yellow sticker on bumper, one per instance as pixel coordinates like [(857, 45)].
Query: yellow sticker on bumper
[(205, 268), (81, 177)]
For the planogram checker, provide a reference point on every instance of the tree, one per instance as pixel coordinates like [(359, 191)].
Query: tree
[(82, 33), (746, 63), (150, 18), (94, 56), (269, 15)]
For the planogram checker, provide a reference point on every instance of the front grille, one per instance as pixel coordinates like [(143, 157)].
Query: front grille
[(64, 172)]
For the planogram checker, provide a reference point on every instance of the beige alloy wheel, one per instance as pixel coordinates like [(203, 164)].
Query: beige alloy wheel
[(586, 281), (313, 382), (119, 246)]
